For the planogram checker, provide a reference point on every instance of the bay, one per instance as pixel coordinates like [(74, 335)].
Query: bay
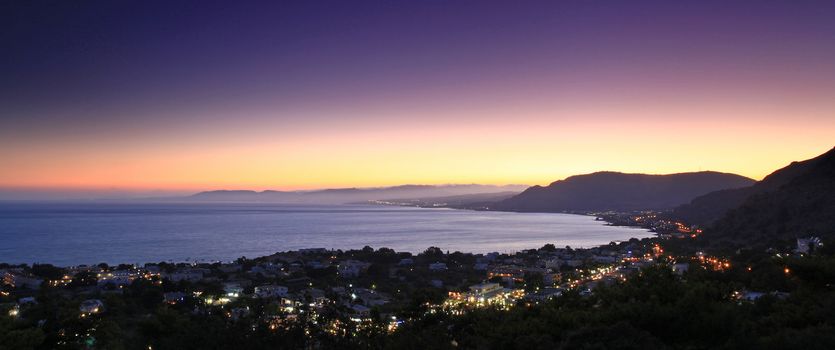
[(71, 233)]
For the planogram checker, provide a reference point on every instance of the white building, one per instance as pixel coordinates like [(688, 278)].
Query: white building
[(485, 289), (233, 289), (91, 306), (271, 291), (486, 293), (808, 245)]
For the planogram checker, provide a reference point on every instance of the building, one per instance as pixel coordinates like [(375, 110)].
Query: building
[(438, 266), (808, 245), (507, 273), (370, 297), (485, 290), (191, 275), (233, 289), (352, 268), (91, 306), (270, 291), (484, 294), (20, 280), (117, 278)]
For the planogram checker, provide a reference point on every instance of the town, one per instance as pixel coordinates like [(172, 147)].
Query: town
[(342, 294)]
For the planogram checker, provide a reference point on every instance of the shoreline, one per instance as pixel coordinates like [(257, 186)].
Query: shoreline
[(471, 234)]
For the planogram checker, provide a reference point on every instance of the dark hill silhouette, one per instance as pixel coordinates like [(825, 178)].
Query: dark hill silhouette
[(604, 191), (706, 209), (795, 201)]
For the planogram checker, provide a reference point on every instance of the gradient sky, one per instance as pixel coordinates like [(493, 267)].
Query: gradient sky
[(182, 96)]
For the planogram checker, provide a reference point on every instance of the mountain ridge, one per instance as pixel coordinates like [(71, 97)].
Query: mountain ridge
[(610, 190), (793, 202), (706, 209), (351, 194)]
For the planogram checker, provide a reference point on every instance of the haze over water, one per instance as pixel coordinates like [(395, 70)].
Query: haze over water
[(66, 233)]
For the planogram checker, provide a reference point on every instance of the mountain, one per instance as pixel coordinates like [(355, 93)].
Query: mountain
[(463, 201), (603, 191), (795, 201), (706, 209), (351, 195)]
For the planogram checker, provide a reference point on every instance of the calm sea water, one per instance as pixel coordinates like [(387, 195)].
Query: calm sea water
[(93, 232)]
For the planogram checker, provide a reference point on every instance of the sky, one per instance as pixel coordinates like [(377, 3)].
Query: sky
[(162, 96)]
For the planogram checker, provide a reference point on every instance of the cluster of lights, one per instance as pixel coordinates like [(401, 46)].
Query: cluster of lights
[(503, 300), (218, 301), (93, 311), (715, 263)]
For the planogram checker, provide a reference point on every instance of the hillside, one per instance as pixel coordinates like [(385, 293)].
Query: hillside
[(706, 209), (796, 201), (604, 191)]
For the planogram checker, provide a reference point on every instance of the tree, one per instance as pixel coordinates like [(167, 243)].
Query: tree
[(13, 337)]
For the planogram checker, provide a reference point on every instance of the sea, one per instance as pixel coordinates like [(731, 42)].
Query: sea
[(75, 233)]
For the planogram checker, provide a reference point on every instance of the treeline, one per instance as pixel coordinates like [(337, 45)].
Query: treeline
[(655, 309)]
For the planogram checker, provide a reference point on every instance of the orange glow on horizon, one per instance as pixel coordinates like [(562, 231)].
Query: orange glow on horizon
[(538, 148), (381, 94)]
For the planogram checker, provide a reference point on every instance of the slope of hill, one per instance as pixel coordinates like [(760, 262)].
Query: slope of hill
[(621, 192), (351, 195), (795, 201), (706, 209)]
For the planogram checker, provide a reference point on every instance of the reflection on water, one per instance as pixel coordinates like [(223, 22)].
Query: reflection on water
[(85, 233)]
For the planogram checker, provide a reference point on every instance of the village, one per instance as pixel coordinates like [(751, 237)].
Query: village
[(343, 292)]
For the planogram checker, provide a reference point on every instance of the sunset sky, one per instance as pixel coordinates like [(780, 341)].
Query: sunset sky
[(153, 96)]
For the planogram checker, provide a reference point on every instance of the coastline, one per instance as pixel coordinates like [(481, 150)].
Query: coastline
[(608, 217), (94, 233)]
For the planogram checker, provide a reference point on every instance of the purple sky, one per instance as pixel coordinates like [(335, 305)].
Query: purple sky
[(126, 75)]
